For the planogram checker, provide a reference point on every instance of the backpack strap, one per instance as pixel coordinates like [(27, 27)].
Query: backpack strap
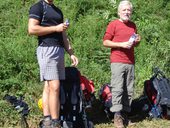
[(155, 80), (62, 101), (43, 9), (156, 86)]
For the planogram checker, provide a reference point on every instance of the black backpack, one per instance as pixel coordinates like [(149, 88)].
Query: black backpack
[(157, 91), (72, 101)]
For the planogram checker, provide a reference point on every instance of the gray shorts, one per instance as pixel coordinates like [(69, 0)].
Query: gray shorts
[(51, 63)]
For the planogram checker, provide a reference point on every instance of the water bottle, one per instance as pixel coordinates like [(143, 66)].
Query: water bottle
[(67, 22), (132, 38)]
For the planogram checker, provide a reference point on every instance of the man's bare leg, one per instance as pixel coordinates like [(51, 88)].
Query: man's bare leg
[(46, 112), (54, 102), (45, 98)]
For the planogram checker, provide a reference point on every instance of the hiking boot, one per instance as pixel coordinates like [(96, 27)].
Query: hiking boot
[(55, 124), (118, 121), (46, 123), (127, 121)]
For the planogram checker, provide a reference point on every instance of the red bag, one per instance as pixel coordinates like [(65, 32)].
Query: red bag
[(87, 87)]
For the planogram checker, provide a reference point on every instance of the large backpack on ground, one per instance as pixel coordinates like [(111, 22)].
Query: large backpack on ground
[(157, 91), (139, 108), (73, 100), (105, 97)]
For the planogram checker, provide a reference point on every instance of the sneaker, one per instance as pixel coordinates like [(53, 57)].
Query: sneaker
[(118, 121), (45, 123)]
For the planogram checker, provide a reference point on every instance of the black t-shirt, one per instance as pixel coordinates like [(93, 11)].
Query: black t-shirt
[(48, 15)]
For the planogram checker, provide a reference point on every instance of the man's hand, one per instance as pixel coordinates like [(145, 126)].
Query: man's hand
[(61, 27), (74, 60), (126, 44), (138, 38)]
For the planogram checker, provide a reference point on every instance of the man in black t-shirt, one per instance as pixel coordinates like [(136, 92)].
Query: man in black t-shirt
[(46, 22)]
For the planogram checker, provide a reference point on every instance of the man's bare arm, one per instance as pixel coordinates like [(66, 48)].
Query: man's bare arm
[(34, 28)]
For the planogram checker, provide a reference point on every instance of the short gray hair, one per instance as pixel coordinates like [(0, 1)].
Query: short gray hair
[(125, 2)]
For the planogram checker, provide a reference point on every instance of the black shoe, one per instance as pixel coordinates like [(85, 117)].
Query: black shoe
[(127, 121)]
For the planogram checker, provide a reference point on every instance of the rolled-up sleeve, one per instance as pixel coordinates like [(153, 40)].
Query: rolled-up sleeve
[(109, 34)]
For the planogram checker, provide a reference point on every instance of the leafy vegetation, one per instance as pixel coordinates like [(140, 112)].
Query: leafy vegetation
[(19, 74)]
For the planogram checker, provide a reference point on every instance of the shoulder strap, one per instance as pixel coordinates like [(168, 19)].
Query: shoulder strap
[(43, 10), (156, 86)]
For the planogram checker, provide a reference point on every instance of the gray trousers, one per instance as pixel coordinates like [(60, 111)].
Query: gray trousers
[(122, 82)]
